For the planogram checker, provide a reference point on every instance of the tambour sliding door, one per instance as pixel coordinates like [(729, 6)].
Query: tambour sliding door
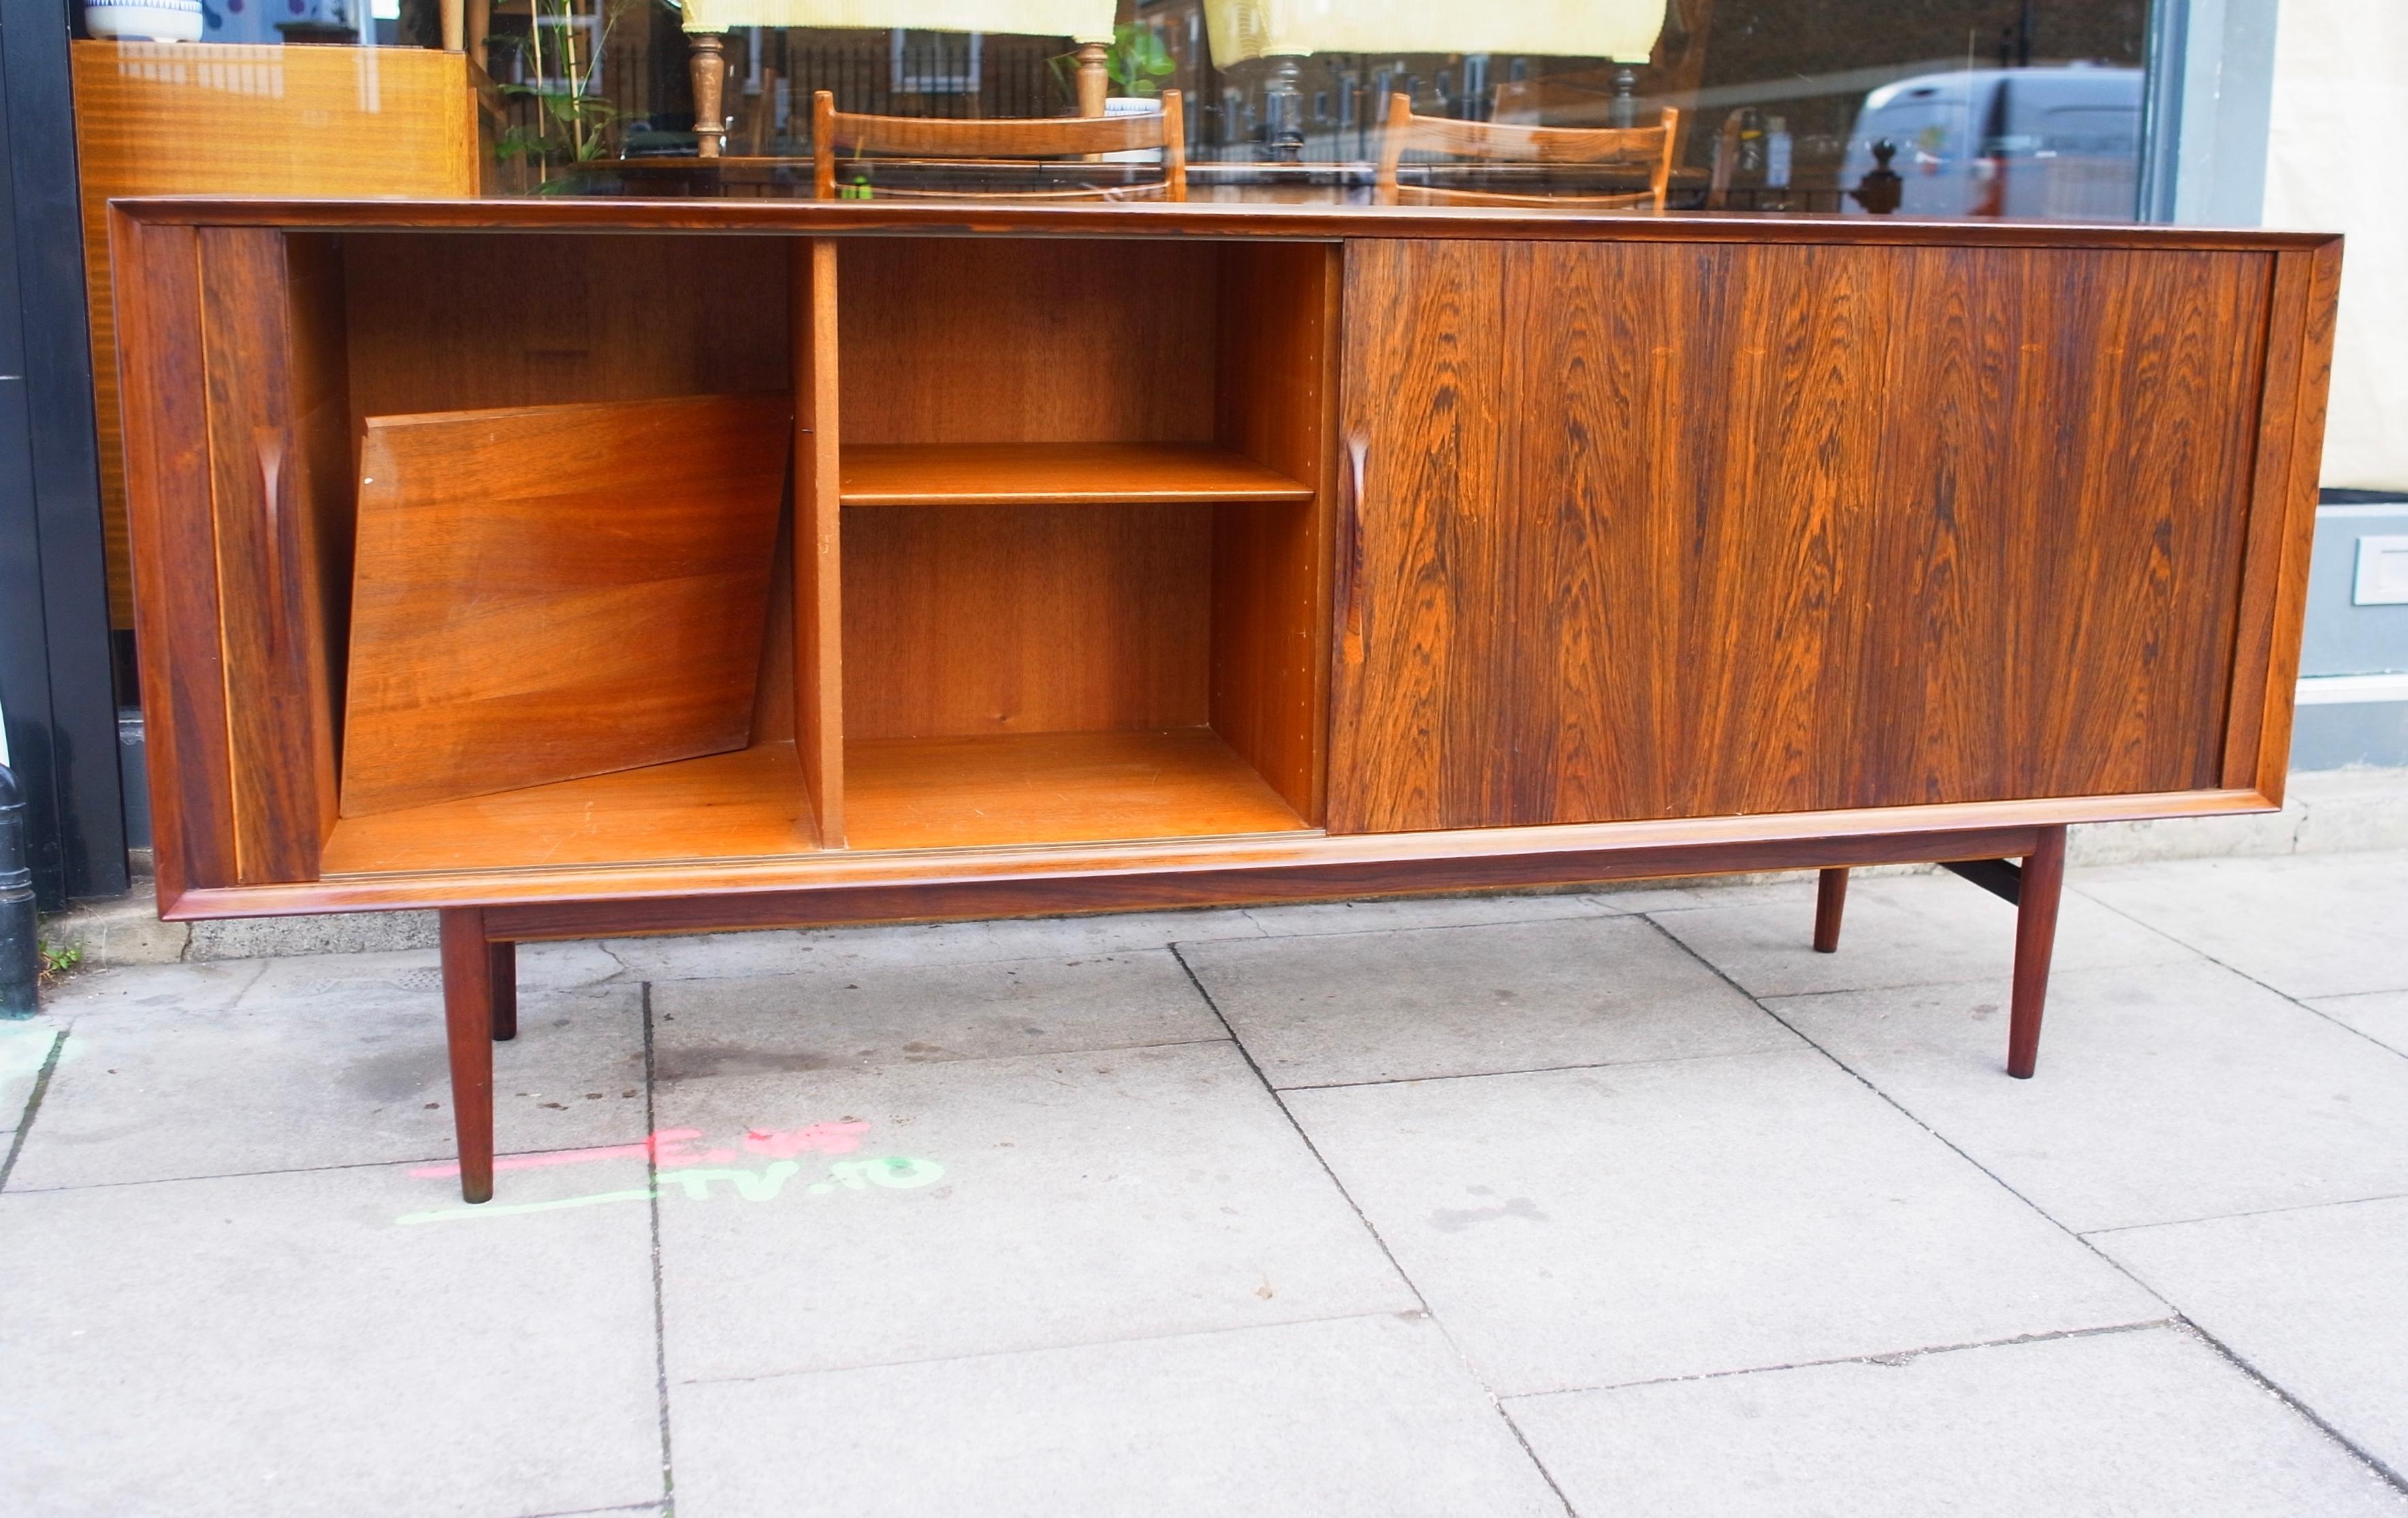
[(1658, 529)]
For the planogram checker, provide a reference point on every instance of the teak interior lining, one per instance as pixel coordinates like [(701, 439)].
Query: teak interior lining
[(1059, 575)]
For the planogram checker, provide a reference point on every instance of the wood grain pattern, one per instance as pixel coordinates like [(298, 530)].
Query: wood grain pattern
[(1783, 534), (549, 320), (174, 543), (468, 1039), (1026, 619), (281, 535), (748, 804), (2041, 887), (818, 572), (957, 792), (967, 341), (2268, 647), (1270, 561), (184, 118), (523, 573), (995, 474)]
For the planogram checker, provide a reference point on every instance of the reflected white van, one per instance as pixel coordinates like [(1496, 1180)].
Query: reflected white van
[(2060, 144)]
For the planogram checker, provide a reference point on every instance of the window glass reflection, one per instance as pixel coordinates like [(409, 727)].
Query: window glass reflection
[(2017, 109)]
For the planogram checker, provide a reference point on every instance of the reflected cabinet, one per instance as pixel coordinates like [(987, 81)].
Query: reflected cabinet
[(642, 567)]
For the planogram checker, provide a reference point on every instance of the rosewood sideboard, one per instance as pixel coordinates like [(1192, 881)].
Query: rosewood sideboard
[(601, 568)]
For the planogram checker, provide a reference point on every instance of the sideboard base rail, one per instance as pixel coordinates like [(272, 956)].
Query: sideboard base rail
[(479, 943)]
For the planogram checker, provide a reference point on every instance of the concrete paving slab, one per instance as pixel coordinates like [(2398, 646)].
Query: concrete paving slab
[(717, 955), (2381, 1015), (542, 966), (318, 1068), (2316, 1300), (1031, 1202), (25, 1047), (1414, 1003), (1899, 930), (1585, 1228), (265, 1345), (1361, 1418), (821, 1019), (2310, 925), (192, 988), (2148, 1423), (2181, 1092), (1319, 917)]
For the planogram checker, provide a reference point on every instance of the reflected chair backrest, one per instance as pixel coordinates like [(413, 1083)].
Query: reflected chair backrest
[(988, 141), (1649, 148)]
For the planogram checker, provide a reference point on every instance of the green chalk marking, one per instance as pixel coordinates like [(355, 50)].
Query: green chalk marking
[(761, 1187), (488, 1210), (898, 1172)]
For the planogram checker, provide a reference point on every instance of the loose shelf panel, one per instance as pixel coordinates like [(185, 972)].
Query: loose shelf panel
[(544, 592), (980, 474), (745, 804)]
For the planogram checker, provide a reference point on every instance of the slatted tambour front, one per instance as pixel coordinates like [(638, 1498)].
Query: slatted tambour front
[(1795, 528)]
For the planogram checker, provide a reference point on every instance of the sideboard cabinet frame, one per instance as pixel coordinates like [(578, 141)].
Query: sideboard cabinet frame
[(228, 311)]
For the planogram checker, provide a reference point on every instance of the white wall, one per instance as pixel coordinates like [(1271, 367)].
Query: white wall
[(2337, 160), (2228, 53)]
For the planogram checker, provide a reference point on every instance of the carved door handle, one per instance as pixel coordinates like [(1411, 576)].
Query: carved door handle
[(268, 443), (1349, 596)]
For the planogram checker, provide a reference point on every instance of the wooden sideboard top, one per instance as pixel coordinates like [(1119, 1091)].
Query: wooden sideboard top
[(1192, 220)]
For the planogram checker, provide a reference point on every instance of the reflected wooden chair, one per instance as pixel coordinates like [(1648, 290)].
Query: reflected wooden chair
[(967, 144), (1650, 147)]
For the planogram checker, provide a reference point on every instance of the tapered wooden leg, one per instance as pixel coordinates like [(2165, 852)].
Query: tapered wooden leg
[(1831, 900), (2043, 883), (504, 972), (468, 1025)]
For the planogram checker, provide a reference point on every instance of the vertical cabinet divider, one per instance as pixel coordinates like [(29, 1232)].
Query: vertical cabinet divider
[(819, 620)]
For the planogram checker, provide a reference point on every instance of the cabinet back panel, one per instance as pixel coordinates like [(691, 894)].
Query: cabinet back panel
[(1026, 619), (994, 340), (551, 320), (1667, 530)]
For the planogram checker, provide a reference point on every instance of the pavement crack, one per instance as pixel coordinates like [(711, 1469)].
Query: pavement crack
[(2397, 1479), (33, 1106), (660, 1298), (1883, 1357)]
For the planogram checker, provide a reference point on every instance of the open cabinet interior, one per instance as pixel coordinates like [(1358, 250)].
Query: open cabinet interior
[(676, 549)]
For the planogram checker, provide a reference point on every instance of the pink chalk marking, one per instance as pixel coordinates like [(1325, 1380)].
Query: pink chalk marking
[(668, 1149), (664, 1148), (826, 1138)]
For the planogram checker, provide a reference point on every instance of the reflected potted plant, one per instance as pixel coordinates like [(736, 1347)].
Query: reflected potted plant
[(1137, 61), (559, 69), (145, 21), (1133, 63)]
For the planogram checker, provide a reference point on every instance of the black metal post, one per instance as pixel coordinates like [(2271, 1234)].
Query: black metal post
[(56, 675), (21, 955)]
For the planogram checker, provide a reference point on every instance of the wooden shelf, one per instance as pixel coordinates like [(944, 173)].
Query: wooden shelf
[(745, 804), (1001, 474), (1054, 788)]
